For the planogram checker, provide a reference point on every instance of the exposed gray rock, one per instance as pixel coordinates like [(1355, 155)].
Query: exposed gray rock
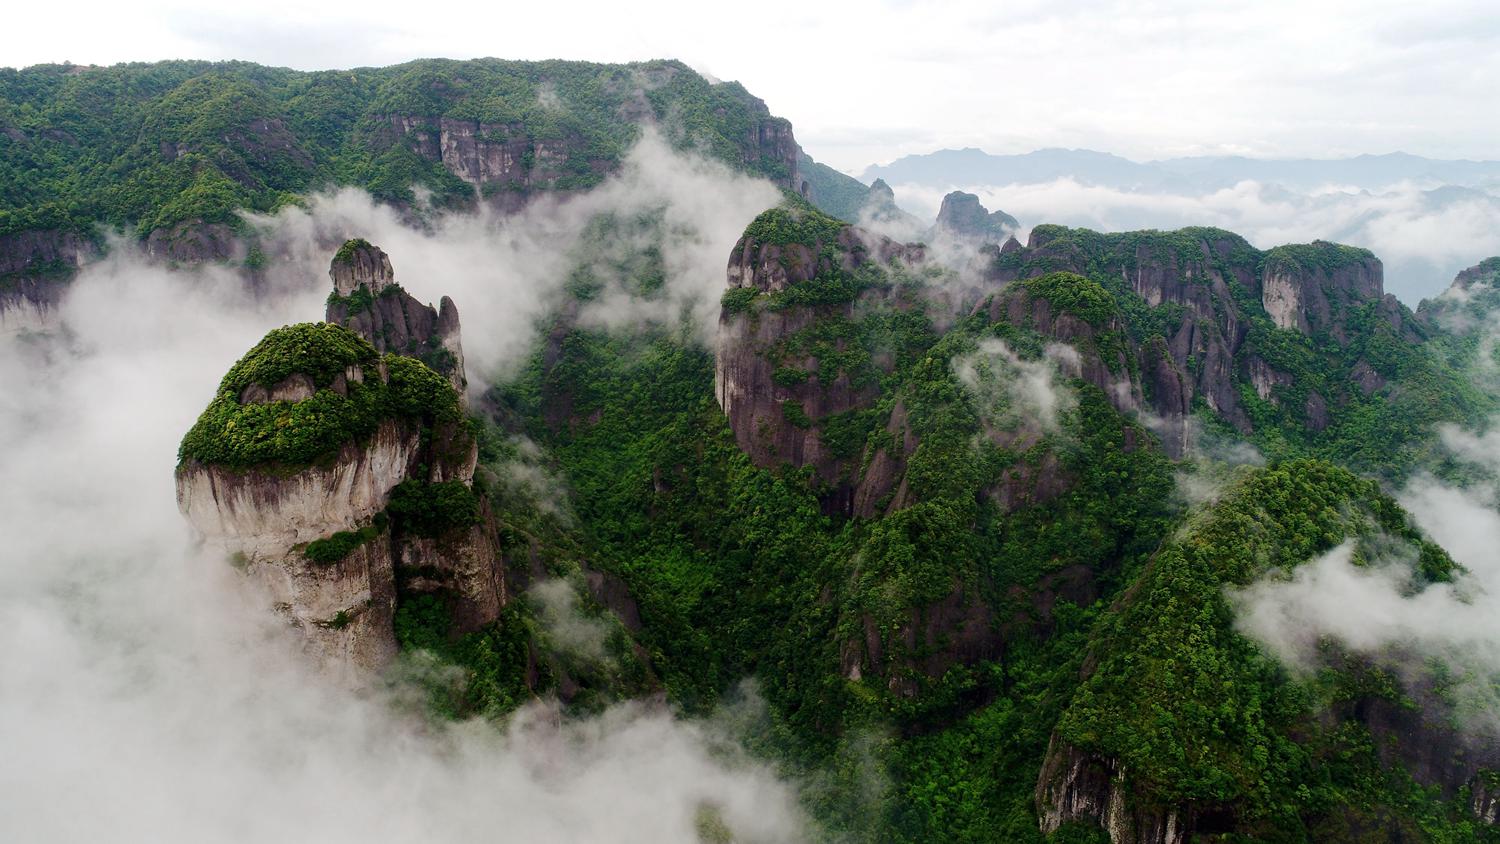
[(193, 242), (35, 268), (962, 217), (369, 302), (1079, 786)]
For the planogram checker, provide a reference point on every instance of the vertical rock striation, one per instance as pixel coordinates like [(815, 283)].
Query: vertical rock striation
[(367, 300), (383, 508)]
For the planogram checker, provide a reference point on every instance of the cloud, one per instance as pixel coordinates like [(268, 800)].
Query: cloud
[(524, 476), (1423, 237), (1016, 394), (1368, 598), (148, 692), (566, 626), (507, 271)]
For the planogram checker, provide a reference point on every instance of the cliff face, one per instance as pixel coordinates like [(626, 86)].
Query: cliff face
[(1218, 302), (336, 539), (368, 301), (1075, 786), (506, 162), (35, 267), (264, 514), (769, 378)]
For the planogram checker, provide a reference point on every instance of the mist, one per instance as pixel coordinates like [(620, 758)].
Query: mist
[(1370, 600), (150, 694), (1424, 237), (507, 271), (1011, 393)]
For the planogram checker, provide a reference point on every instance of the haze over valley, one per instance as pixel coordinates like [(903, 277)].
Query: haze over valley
[(582, 445)]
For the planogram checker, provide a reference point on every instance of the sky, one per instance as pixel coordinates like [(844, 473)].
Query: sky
[(866, 81)]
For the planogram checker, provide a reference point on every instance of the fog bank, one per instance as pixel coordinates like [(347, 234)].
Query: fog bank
[(149, 693)]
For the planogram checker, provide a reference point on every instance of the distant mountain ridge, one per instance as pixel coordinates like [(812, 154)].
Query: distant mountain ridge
[(970, 166)]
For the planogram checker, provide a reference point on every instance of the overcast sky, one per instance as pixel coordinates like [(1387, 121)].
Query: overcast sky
[(865, 81)]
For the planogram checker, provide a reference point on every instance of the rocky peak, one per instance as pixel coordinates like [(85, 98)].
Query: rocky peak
[(340, 478), (787, 274), (367, 300), (1312, 288), (359, 263), (1474, 293), (963, 217)]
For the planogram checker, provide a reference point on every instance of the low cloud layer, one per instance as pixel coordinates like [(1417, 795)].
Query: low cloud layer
[(1423, 236), (1011, 393), (149, 693), (505, 271), (1374, 605)]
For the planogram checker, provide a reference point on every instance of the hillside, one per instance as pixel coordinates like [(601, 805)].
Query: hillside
[(963, 535)]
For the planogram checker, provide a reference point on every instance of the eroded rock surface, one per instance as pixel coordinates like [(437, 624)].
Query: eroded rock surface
[(369, 302)]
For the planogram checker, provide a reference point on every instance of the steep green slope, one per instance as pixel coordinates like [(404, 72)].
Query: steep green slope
[(154, 145), (831, 191), (1204, 724)]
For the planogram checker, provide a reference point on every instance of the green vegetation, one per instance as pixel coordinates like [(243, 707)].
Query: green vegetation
[(833, 192), (289, 435), (795, 222), (1198, 714), (1073, 294), (151, 146), (432, 509), (1387, 431), (333, 549)]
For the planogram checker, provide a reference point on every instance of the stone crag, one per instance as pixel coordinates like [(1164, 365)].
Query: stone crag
[(272, 521), (368, 301)]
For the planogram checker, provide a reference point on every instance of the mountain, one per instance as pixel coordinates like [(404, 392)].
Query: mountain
[(1427, 218), (336, 467), (831, 191), (174, 151), (963, 217), (961, 546), (973, 167), (908, 502)]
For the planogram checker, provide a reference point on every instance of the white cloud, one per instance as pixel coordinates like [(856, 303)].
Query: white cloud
[(1423, 241), (148, 692), (1377, 607), (1015, 394), (504, 272)]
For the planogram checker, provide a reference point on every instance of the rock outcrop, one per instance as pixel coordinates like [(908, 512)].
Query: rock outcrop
[(337, 536), (1075, 786), (881, 215), (768, 376), (1213, 289), (508, 162), (35, 267), (963, 218), (194, 242), (368, 301), (1468, 302)]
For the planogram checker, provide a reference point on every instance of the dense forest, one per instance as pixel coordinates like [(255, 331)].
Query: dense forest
[(968, 535)]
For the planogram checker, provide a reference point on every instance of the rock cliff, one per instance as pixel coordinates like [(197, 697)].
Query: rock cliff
[(35, 267), (340, 479), (793, 288), (963, 218), (367, 300), (1213, 308)]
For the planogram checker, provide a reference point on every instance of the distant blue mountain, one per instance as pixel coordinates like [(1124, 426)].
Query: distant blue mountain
[(968, 168)]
